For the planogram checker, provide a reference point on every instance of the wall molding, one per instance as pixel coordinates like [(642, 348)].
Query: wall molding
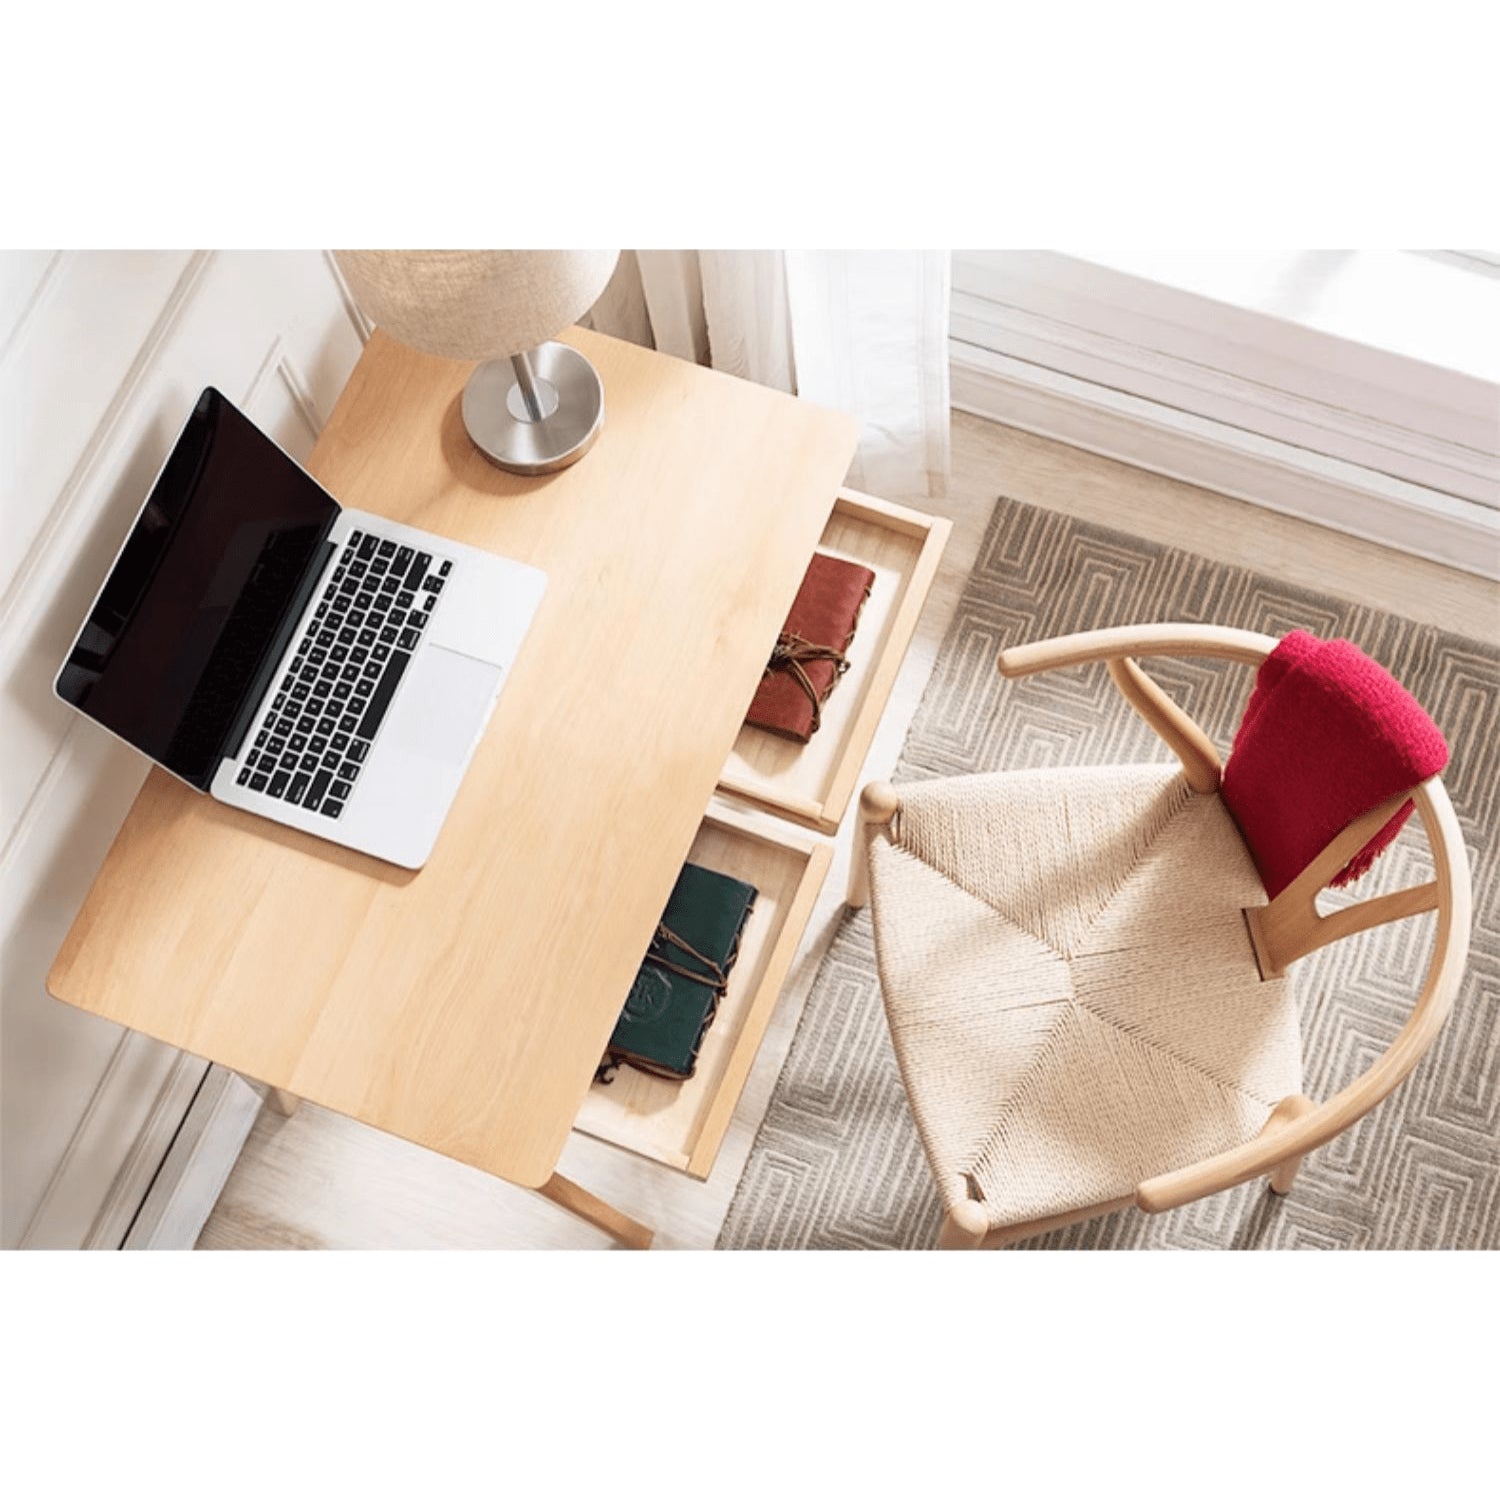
[(193, 1173), (39, 295), (36, 802), (1395, 338), (360, 323), (1208, 386), (278, 361), (132, 1182), (1215, 455), (55, 539), (295, 384), (118, 1139)]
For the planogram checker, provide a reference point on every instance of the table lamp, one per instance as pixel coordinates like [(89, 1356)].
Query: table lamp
[(533, 406)]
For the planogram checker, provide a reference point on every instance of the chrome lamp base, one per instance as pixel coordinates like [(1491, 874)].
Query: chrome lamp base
[(535, 413)]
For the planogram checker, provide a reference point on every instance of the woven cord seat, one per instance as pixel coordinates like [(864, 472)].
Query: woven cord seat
[(1085, 982), (1060, 1042)]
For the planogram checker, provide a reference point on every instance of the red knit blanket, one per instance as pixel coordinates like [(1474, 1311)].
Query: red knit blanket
[(1327, 735)]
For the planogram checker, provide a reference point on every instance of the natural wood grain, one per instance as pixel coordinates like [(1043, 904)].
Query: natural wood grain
[(1167, 639), (878, 804), (620, 1227), (781, 949), (813, 783), (682, 1124), (1191, 746), (465, 1006), (282, 1103), (1293, 1107), (991, 459), (1289, 927), (964, 1227)]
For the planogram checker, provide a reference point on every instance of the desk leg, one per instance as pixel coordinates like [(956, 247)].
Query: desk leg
[(280, 1101), (597, 1212)]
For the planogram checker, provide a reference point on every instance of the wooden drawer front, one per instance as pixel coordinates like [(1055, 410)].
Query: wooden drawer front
[(682, 1124), (814, 782)]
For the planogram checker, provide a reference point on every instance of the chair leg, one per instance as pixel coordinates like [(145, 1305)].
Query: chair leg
[(964, 1228), (1280, 1181), (877, 806), (620, 1227), (1293, 1107)]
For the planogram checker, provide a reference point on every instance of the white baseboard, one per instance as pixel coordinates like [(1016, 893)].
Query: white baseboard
[(1362, 502), (148, 1160), (132, 1183), (1371, 358), (119, 1144), (193, 1174)]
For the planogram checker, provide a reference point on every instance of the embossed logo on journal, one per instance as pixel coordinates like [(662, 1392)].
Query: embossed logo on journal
[(650, 994)]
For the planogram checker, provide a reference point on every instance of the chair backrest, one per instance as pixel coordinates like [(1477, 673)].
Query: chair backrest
[(1290, 926)]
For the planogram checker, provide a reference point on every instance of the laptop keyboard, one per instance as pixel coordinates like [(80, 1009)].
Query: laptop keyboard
[(314, 739)]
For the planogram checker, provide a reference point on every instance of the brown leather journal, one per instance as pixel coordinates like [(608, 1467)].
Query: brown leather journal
[(809, 657)]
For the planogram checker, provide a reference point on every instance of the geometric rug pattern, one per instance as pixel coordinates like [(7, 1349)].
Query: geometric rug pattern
[(837, 1164)]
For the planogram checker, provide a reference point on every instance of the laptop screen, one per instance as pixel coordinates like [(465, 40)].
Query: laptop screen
[(188, 617)]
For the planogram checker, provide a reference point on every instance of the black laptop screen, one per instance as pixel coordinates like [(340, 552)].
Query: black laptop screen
[(193, 607)]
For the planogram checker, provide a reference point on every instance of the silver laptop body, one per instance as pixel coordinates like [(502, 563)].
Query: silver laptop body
[(325, 668)]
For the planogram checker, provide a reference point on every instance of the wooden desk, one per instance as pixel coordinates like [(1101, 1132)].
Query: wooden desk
[(465, 1006)]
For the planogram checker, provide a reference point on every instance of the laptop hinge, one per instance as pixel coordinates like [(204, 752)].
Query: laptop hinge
[(260, 685)]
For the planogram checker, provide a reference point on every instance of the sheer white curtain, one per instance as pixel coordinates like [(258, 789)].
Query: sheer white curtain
[(862, 330)]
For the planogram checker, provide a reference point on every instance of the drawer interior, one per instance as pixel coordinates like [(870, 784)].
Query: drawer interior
[(813, 783), (682, 1124)]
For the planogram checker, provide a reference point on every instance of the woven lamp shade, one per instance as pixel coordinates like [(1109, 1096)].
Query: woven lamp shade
[(475, 304)]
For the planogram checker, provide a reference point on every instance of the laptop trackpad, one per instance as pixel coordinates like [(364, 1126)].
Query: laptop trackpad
[(442, 705)]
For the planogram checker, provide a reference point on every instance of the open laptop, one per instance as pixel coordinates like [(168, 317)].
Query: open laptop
[(327, 669)]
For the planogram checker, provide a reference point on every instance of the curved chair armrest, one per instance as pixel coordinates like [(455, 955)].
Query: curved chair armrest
[(1258, 1157), (1247, 646)]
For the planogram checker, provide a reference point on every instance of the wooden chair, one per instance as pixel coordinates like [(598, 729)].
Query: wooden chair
[(1085, 984)]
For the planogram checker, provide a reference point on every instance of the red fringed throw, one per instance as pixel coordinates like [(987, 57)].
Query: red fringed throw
[(1327, 735)]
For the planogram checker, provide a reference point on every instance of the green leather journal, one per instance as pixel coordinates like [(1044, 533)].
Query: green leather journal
[(684, 974)]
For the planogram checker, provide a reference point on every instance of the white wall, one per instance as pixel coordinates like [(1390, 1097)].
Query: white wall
[(102, 354)]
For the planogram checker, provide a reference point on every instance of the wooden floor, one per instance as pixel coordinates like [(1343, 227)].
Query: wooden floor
[(319, 1180)]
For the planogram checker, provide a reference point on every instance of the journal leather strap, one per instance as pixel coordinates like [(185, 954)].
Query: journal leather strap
[(788, 655), (715, 976)]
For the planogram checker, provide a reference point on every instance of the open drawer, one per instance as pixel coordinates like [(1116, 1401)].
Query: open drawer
[(814, 782), (682, 1124)]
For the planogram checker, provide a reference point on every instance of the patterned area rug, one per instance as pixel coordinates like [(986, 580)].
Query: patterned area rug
[(837, 1163)]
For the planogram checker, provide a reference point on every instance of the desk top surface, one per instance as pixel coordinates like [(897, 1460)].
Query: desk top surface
[(464, 1006)]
